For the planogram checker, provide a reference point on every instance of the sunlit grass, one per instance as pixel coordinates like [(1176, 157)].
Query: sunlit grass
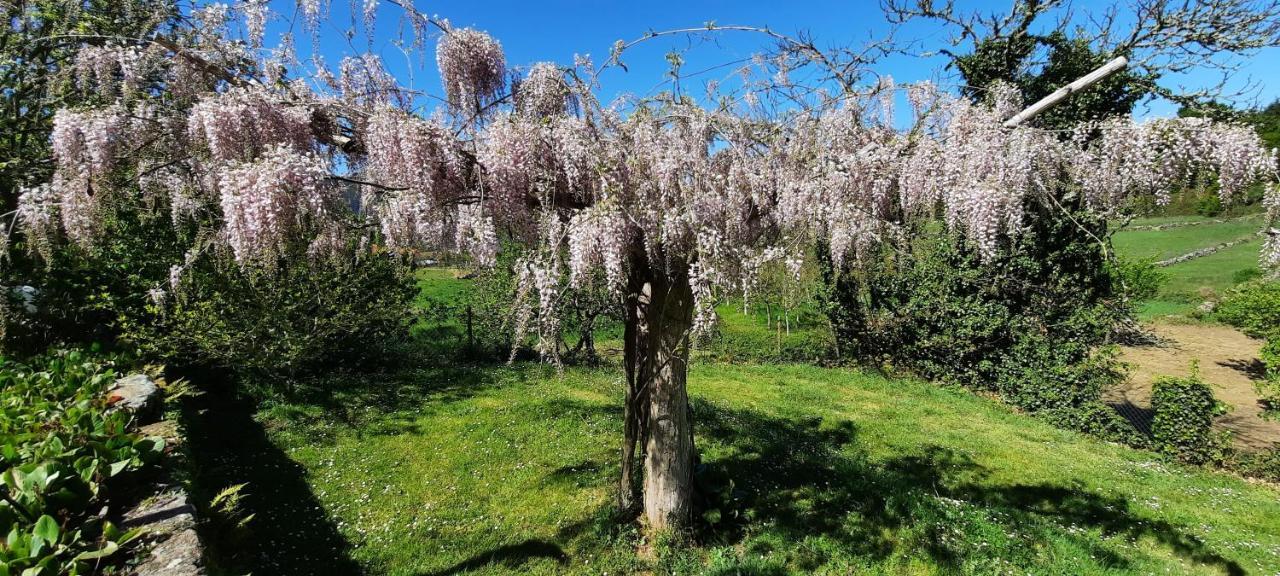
[(1172, 242), (510, 470)]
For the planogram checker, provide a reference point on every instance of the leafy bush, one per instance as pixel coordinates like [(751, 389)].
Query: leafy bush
[(1137, 279), (1209, 205), (304, 315), (61, 448), (296, 319), (1254, 308), (1027, 324), (1182, 425), (1264, 464)]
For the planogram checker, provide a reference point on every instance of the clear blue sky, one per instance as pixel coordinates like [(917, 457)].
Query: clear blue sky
[(532, 31)]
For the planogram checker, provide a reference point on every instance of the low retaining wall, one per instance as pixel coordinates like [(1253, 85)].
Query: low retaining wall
[(167, 518)]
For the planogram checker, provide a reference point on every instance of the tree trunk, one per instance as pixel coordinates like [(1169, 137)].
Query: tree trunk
[(636, 407), (669, 457)]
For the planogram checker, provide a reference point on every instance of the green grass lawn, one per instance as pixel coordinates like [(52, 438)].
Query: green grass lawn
[(1191, 282), (1171, 242), (496, 470)]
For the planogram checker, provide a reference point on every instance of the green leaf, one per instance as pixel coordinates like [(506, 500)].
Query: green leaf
[(47, 528), (712, 516), (108, 549), (117, 467)]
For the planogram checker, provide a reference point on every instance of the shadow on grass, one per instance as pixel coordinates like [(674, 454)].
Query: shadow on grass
[(290, 532), (799, 478), (510, 556), (516, 557)]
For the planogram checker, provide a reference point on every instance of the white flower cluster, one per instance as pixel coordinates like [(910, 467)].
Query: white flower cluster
[(473, 68), (113, 70), (243, 122), (37, 212), (543, 92), (265, 201)]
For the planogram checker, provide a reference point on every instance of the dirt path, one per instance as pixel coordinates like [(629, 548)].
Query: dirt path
[(1228, 361)]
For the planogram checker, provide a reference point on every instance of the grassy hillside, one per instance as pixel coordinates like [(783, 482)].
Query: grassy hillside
[(1192, 281), (498, 470), (1171, 242)]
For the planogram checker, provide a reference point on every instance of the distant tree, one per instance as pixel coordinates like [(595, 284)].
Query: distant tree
[(1039, 45), (1267, 122)]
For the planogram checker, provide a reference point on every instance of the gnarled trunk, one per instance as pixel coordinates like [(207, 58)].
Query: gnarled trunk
[(656, 353), (636, 408), (669, 455)]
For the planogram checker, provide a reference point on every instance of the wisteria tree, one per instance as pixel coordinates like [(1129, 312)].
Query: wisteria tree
[(676, 199)]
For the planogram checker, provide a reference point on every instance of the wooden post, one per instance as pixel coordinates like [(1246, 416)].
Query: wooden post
[(1061, 93), (471, 340)]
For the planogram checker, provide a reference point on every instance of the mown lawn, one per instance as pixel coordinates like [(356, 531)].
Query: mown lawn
[(494, 470), (1172, 242), (1192, 282)]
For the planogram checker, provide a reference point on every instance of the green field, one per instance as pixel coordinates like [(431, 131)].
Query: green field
[(1171, 242), (510, 470), (448, 468), (1193, 281)]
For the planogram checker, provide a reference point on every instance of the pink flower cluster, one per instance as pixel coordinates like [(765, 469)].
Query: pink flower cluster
[(543, 92), (239, 124), (1127, 159), (85, 142), (420, 160), (113, 70), (473, 68), (256, 13), (597, 239), (476, 235), (265, 201), (37, 213)]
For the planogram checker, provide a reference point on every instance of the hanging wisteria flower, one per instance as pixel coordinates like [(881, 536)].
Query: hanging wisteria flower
[(84, 142), (256, 13), (364, 79), (597, 239), (416, 154), (114, 70), (36, 213), (157, 296), (265, 201), (543, 92), (476, 235), (242, 122), (472, 68)]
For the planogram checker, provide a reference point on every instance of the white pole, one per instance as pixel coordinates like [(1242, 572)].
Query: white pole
[(1080, 84)]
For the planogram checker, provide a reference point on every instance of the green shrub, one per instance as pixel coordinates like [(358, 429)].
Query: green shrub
[(1246, 275), (1027, 323), (1209, 205), (306, 314), (1137, 279), (1254, 308), (299, 318), (1182, 425), (61, 451), (1264, 465)]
